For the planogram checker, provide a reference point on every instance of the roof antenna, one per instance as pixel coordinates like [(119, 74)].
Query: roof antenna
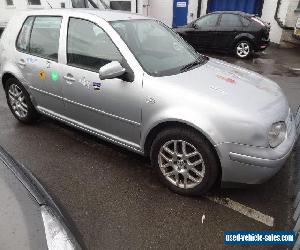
[(49, 4)]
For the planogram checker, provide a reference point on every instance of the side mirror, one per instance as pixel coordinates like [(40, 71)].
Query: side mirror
[(111, 70)]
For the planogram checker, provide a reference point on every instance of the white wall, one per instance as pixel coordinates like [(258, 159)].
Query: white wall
[(268, 13), (162, 10), (6, 12)]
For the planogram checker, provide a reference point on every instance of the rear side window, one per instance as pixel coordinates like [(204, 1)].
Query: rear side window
[(230, 20), (44, 40), (89, 47), (24, 35)]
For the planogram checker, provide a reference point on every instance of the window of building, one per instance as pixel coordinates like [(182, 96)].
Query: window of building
[(24, 35), (298, 5), (9, 2), (78, 3), (120, 5), (207, 21), (89, 47), (230, 20), (44, 40), (34, 2)]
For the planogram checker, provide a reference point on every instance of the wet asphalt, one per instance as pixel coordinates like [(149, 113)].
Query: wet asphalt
[(113, 196)]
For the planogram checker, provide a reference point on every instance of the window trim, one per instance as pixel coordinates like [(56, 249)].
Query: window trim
[(27, 50), (124, 61)]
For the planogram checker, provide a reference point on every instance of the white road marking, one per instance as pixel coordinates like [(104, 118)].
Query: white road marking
[(203, 218), (242, 209)]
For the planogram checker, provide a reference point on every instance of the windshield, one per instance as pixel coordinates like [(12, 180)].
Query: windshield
[(159, 50)]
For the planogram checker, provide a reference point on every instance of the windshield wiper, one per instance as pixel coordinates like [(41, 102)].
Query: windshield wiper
[(200, 60)]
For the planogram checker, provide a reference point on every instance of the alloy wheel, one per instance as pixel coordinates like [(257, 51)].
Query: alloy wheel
[(17, 101), (243, 49), (181, 164)]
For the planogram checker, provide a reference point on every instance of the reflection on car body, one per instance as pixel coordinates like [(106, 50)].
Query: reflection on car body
[(133, 81)]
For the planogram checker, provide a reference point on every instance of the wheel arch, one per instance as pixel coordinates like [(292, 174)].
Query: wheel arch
[(151, 135), (5, 77), (243, 36)]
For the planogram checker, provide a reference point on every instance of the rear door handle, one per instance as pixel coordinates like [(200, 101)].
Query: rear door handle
[(22, 63), (69, 78)]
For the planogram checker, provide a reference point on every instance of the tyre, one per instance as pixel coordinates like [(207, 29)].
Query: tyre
[(185, 161), (19, 102), (243, 49)]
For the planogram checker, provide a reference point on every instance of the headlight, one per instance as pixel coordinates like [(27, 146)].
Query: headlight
[(58, 237), (277, 134)]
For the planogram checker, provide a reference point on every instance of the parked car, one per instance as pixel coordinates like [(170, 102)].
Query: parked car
[(230, 31), (297, 29), (30, 218), (133, 81)]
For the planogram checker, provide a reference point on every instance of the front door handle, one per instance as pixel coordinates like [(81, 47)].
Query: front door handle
[(69, 78), (22, 63)]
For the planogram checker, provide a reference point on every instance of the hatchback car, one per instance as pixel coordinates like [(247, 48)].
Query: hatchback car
[(132, 81), (228, 31)]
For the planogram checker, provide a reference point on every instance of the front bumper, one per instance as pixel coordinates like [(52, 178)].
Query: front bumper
[(253, 165)]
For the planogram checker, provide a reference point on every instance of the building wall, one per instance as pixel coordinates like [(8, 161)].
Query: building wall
[(268, 13), (6, 12)]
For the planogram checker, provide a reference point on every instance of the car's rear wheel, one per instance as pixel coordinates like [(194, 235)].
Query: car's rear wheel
[(185, 161), (243, 49), (19, 101)]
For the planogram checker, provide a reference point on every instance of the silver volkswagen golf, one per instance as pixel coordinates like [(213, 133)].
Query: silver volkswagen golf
[(132, 81)]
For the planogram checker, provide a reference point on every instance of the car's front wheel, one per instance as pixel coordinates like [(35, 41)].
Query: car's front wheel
[(185, 161), (243, 49), (19, 101)]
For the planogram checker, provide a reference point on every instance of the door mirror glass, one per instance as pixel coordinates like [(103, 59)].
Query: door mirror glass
[(111, 70)]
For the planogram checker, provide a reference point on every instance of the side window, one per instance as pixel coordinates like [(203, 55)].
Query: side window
[(230, 20), (207, 21), (24, 35), (44, 40), (89, 47)]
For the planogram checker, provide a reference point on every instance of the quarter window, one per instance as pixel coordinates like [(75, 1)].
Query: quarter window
[(245, 21), (230, 20), (207, 21), (34, 2), (44, 39), (89, 47), (23, 38)]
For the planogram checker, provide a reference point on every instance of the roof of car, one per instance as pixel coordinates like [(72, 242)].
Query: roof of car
[(108, 15), (232, 12)]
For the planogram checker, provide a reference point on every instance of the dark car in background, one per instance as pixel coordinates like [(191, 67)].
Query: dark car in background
[(29, 217), (230, 31)]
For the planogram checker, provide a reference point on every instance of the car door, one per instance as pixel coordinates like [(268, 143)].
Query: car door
[(203, 32), (38, 60), (110, 107), (229, 27)]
